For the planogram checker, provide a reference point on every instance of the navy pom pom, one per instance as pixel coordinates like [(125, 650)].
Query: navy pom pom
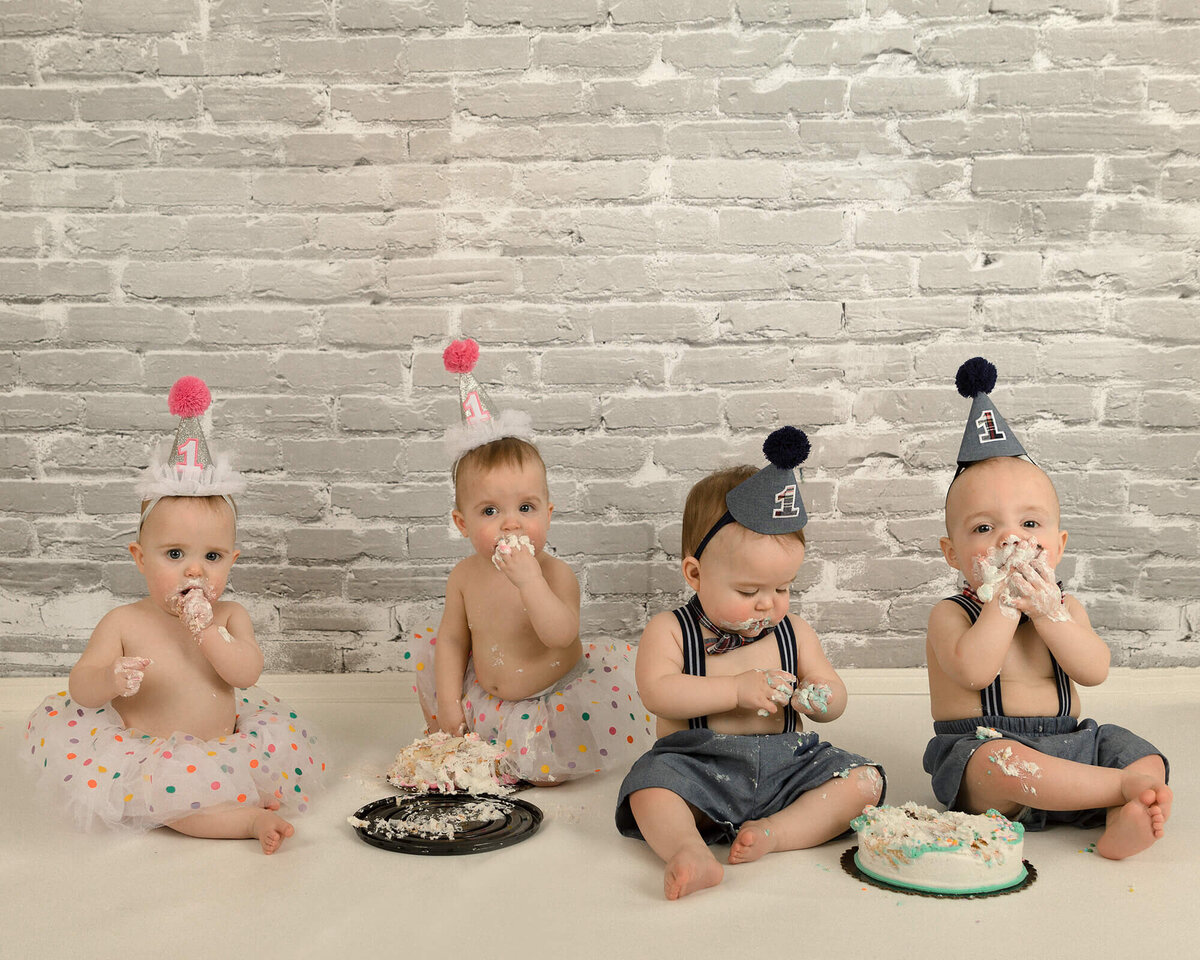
[(974, 377), (787, 447)]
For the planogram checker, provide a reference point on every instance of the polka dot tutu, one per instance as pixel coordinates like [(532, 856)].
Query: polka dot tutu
[(588, 721), (107, 773)]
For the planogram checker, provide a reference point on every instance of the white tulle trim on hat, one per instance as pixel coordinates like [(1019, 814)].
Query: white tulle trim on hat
[(465, 437), (163, 479)]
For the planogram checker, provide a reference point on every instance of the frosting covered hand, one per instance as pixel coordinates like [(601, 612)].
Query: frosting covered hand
[(764, 690), (1035, 592), (510, 558), (128, 673), (813, 698), (195, 611), (996, 568)]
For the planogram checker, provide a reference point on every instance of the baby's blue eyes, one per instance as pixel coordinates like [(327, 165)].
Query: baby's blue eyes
[(527, 508), (174, 554), (212, 556), (524, 508)]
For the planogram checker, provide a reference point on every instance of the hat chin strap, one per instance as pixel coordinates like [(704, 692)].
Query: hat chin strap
[(725, 519)]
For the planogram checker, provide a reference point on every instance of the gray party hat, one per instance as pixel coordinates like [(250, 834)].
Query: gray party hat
[(188, 468), (987, 433), (769, 502)]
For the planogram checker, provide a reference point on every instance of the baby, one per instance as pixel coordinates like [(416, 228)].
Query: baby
[(729, 676), (151, 730), (1003, 669), (507, 661)]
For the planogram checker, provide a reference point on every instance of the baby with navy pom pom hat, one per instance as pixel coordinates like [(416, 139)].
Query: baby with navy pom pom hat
[(731, 677), (1007, 655), (161, 724)]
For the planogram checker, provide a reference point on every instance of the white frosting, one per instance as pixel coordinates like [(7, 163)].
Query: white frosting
[(444, 823), (941, 852), (814, 697), (509, 544), (445, 764), (995, 568)]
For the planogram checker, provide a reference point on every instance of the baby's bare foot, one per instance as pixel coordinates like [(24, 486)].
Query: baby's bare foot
[(271, 830), (753, 841), (1133, 827), (1162, 799), (691, 870)]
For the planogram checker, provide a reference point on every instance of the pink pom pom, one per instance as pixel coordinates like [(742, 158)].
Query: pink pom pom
[(189, 397), (460, 356)]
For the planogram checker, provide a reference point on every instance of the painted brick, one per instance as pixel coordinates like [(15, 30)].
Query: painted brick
[(669, 230), (115, 16)]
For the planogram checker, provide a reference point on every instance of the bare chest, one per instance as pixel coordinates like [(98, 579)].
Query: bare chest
[(180, 691)]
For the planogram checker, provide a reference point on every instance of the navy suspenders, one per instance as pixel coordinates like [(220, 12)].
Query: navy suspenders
[(989, 697), (694, 658)]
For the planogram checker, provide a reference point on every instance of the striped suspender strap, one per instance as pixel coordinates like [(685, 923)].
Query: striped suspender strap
[(989, 697), (693, 654), (786, 638), (1064, 688), (990, 701)]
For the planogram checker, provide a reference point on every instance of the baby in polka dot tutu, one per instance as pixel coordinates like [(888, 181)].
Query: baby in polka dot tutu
[(507, 661), (160, 724)]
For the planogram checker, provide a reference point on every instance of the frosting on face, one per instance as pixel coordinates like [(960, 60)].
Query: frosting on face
[(747, 626)]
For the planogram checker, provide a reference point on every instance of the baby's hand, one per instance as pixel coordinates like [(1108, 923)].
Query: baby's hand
[(452, 721), (128, 673), (812, 698), (1035, 591), (195, 611), (514, 557), (764, 690)]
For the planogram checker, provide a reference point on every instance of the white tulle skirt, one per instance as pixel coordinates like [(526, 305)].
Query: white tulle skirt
[(104, 773), (588, 721)]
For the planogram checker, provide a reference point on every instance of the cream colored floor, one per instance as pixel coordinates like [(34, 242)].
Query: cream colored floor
[(578, 889)]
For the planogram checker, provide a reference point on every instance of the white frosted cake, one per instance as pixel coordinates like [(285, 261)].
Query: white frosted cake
[(939, 852), (445, 764)]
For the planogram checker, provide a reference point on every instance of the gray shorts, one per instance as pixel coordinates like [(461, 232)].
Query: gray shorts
[(732, 778), (1083, 741)]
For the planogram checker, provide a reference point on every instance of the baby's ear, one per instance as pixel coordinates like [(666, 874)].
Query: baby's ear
[(135, 551), (459, 521), (949, 552), (691, 571)]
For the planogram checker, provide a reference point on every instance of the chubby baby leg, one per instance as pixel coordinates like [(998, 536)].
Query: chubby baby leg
[(668, 824), (1008, 775), (240, 822), (813, 818)]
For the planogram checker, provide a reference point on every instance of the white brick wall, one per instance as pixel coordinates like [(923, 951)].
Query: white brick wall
[(671, 225)]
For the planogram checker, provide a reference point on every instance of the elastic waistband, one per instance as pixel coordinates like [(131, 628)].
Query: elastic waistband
[(577, 671), (1026, 726)]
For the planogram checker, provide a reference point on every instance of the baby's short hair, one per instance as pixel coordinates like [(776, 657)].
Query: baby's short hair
[(706, 504), (506, 451)]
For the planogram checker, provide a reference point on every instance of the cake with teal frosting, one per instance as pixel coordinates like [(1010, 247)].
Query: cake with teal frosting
[(943, 852)]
